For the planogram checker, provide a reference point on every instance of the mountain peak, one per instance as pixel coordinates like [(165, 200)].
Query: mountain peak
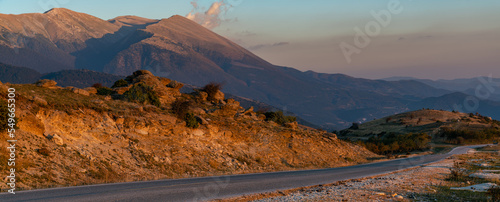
[(132, 20), (58, 10)]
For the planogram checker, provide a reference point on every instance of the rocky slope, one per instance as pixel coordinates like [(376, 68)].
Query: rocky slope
[(71, 136)]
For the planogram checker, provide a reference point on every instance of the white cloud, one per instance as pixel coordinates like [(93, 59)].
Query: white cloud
[(210, 18)]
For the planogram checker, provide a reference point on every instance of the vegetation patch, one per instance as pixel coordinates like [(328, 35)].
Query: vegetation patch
[(279, 117), (142, 94), (395, 143), (120, 83), (211, 89)]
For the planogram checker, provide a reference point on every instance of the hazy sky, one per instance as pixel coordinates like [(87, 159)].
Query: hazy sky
[(424, 38)]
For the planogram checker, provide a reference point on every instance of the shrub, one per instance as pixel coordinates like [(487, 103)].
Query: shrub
[(97, 85), (143, 94), (180, 108), (104, 91), (494, 192), (211, 89), (457, 172), (397, 143), (120, 83), (279, 118), (191, 121), (4, 111)]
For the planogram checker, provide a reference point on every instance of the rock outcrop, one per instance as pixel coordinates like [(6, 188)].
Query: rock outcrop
[(46, 83)]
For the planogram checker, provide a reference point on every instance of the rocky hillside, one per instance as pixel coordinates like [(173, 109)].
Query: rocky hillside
[(145, 129)]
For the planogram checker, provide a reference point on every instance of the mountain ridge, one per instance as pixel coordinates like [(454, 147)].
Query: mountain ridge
[(183, 50)]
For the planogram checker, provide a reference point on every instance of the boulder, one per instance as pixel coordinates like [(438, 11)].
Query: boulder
[(201, 120), (232, 104), (201, 95), (46, 83), (197, 132), (175, 85), (121, 90), (219, 96), (55, 138), (198, 110), (39, 101), (248, 111), (165, 93), (165, 81), (141, 72), (91, 90), (292, 125), (80, 91)]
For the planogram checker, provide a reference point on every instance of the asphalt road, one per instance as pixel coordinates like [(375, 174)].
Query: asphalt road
[(207, 188)]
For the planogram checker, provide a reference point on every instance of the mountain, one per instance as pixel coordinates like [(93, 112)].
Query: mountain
[(460, 102), (488, 87), (13, 74), (81, 78), (183, 50), (75, 78)]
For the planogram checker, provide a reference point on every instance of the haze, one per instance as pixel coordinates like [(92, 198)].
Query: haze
[(428, 39)]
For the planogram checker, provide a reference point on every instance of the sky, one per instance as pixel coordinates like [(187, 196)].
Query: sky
[(371, 39)]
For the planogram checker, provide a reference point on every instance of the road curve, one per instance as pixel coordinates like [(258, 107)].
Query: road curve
[(207, 188)]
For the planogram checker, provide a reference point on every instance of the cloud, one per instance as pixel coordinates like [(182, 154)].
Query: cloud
[(260, 46), (246, 33), (210, 18)]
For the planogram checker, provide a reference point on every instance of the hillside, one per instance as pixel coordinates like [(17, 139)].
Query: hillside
[(71, 136), (413, 131), (13, 74), (81, 78), (431, 122), (183, 50)]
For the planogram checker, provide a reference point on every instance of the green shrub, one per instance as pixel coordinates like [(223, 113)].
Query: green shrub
[(279, 118), (397, 143), (462, 136), (211, 89), (180, 108), (191, 121), (120, 83), (104, 91), (142, 94)]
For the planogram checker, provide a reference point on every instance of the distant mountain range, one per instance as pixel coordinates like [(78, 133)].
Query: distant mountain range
[(484, 87), (178, 48)]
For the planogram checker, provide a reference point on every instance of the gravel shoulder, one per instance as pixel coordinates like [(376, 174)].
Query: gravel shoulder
[(417, 183)]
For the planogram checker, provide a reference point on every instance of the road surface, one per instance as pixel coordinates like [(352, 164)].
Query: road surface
[(207, 188)]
